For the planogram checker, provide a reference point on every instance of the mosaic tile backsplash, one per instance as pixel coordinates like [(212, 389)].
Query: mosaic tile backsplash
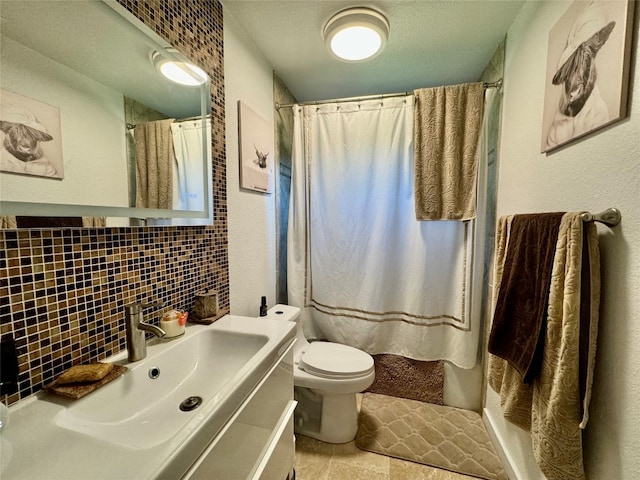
[(63, 291)]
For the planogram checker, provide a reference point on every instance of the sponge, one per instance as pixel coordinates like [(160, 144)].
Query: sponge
[(85, 373)]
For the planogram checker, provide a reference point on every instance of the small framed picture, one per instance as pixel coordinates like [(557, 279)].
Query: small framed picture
[(587, 77), (256, 151), (31, 141)]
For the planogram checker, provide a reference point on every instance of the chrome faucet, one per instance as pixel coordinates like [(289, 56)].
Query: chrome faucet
[(136, 341)]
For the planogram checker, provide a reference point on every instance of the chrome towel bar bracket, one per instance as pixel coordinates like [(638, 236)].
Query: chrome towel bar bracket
[(610, 217)]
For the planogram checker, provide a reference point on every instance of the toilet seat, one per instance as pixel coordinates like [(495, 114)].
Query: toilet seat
[(335, 361)]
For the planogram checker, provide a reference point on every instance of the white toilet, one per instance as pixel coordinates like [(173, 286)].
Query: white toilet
[(326, 377)]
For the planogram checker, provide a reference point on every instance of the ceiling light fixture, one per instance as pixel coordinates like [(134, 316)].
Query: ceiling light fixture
[(356, 34), (183, 73)]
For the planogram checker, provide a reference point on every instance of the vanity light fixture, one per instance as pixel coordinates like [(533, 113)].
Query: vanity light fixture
[(183, 73), (356, 34)]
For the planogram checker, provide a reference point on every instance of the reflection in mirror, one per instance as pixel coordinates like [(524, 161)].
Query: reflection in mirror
[(89, 127)]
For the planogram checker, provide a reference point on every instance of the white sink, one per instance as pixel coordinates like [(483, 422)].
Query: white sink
[(139, 411)]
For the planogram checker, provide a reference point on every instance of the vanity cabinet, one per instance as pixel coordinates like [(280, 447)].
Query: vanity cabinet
[(258, 441)]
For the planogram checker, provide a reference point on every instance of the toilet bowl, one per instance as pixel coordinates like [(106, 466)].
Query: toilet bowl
[(326, 378)]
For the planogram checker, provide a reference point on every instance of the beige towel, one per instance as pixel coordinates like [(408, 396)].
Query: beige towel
[(447, 129), (154, 164), (8, 221), (556, 407), (91, 372), (88, 222)]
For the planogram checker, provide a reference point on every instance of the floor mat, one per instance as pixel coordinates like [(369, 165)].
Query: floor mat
[(398, 376), (443, 437)]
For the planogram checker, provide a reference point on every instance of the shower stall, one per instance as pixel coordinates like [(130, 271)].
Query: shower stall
[(462, 386)]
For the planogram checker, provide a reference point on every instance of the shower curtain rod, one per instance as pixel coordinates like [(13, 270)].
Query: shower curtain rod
[(188, 119), (496, 84)]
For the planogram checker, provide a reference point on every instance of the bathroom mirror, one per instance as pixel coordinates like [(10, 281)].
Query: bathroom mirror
[(80, 79)]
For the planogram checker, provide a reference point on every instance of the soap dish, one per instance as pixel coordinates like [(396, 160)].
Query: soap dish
[(79, 390), (203, 321)]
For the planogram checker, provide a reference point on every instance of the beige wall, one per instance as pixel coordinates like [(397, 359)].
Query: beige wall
[(597, 172), (252, 235), (101, 181)]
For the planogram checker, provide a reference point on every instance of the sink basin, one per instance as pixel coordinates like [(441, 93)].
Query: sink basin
[(141, 409)]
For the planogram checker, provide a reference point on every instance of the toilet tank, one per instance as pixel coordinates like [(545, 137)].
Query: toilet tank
[(290, 314), (284, 312)]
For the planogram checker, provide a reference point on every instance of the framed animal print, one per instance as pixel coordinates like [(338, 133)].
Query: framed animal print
[(587, 70), (256, 147), (31, 141)]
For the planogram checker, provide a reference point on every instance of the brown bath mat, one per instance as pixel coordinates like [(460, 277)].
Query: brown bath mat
[(444, 437), (402, 377)]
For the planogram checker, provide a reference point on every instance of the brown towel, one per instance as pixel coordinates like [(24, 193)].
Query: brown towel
[(517, 333), (515, 395), (447, 123), (47, 222)]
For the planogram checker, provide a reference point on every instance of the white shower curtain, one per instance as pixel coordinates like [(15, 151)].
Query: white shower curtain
[(366, 273), (188, 173)]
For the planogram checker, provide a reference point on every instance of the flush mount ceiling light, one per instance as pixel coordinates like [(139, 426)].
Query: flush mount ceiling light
[(183, 73), (356, 34)]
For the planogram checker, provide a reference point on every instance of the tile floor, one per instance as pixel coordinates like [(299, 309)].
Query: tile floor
[(324, 461)]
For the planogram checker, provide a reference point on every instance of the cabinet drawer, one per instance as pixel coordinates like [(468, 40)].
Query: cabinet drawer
[(239, 451), (277, 462)]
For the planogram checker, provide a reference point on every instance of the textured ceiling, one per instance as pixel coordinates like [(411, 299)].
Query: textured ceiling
[(432, 42)]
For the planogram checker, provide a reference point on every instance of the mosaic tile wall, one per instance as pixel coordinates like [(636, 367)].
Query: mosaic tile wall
[(62, 292)]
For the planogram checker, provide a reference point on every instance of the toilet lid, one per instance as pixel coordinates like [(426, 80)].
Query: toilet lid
[(333, 360)]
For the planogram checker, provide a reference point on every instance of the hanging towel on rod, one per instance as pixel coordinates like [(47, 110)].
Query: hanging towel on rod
[(555, 407), (517, 331), (154, 164), (447, 122)]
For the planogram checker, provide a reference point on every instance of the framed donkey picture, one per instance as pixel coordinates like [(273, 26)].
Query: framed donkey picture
[(587, 70), (256, 150)]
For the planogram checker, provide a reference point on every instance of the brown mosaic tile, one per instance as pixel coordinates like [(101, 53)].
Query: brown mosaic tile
[(63, 291)]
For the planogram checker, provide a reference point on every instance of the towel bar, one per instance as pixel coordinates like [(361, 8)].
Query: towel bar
[(610, 217)]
